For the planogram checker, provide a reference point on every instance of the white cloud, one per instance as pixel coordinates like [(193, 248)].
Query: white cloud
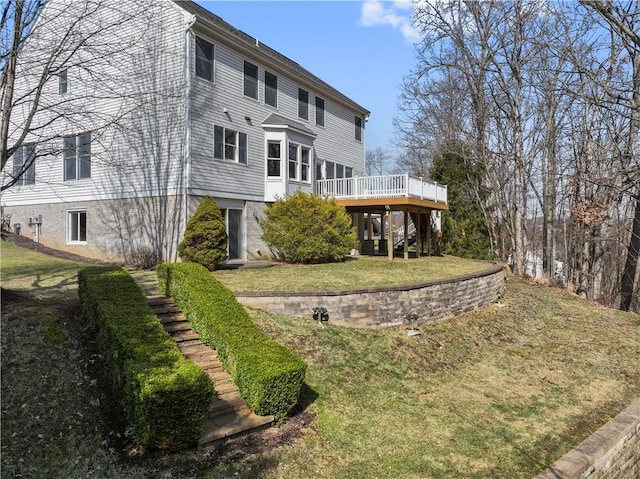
[(377, 12)]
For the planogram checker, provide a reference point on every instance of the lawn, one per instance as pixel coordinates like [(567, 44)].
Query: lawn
[(497, 393), (353, 273)]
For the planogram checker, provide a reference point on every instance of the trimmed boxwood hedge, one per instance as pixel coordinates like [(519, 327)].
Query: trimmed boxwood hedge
[(269, 375), (165, 396)]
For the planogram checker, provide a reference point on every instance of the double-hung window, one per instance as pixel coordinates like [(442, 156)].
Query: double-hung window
[(204, 59), (250, 80), (299, 162), (271, 89), (62, 82), (358, 123), (24, 165), (77, 226), (303, 104), (77, 157), (304, 164), (319, 111), (273, 158), (293, 161), (229, 145)]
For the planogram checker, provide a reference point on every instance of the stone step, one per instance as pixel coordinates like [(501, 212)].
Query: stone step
[(231, 424)]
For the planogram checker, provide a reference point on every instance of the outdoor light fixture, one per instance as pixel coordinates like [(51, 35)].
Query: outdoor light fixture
[(412, 318), (320, 314), (498, 303)]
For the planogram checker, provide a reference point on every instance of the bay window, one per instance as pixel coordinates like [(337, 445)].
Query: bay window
[(273, 158)]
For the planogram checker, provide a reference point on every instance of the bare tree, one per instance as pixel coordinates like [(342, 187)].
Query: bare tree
[(378, 162), (52, 48), (90, 67), (623, 19)]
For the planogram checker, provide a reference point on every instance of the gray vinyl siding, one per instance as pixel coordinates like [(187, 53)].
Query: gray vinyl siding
[(212, 176), (335, 140), (142, 154)]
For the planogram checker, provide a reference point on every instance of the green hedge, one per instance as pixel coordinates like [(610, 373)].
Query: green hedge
[(268, 374), (165, 396)]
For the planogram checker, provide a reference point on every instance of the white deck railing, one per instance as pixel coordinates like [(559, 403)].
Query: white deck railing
[(387, 186)]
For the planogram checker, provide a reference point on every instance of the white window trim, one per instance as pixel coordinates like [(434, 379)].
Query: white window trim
[(236, 154), (68, 214), (63, 82), (279, 176), (30, 172), (78, 158), (299, 148), (308, 163), (296, 146)]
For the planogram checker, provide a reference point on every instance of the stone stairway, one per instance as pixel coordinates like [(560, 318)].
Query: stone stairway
[(229, 415)]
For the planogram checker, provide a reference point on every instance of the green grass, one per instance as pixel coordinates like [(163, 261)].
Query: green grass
[(25, 269), (497, 393), (351, 274)]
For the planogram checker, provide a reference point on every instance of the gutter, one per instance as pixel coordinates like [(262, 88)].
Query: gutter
[(187, 121)]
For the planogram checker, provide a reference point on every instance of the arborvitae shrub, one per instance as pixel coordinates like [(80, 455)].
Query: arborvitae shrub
[(205, 239), (306, 228)]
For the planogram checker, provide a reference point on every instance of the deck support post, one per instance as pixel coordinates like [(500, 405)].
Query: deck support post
[(406, 234), (429, 226), (418, 235), (390, 243), (359, 224)]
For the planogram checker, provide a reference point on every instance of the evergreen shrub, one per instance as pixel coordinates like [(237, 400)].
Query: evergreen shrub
[(268, 375), (205, 239), (165, 396), (306, 228)]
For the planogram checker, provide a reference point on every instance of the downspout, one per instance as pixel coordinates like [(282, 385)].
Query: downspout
[(187, 121)]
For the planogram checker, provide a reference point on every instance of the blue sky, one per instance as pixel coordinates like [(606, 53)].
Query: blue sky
[(361, 48)]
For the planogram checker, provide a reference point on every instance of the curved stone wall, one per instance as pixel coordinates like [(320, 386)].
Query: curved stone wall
[(388, 306)]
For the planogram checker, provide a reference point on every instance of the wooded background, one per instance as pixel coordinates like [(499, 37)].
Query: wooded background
[(530, 111)]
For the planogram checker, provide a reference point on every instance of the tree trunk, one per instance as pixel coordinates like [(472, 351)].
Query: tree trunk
[(631, 264)]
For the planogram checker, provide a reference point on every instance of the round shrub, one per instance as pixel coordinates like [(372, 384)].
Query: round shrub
[(205, 239), (306, 228)]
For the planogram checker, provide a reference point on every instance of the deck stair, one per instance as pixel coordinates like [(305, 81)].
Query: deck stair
[(229, 415)]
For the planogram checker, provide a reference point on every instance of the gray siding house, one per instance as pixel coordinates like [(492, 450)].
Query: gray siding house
[(127, 141)]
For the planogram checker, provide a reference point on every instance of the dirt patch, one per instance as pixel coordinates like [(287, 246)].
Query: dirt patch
[(59, 415), (27, 243)]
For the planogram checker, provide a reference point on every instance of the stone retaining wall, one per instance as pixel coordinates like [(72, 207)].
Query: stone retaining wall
[(612, 452), (430, 301)]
